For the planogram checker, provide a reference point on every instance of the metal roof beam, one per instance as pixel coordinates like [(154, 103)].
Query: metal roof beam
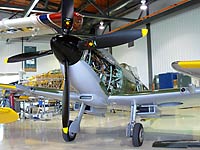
[(22, 9), (49, 3), (30, 8), (159, 14), (82, 7), (96, 6), (8, 1), (46, 4), (89, 15), (119, 5)]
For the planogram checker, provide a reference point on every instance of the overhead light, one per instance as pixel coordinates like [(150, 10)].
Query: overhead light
[(143, 6), (101, 27)]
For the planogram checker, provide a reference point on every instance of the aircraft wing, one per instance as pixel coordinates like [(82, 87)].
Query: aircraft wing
[(37, 91), (48, 93), (7, 86), (163, 98), (54, 94), (8, 115), (191, 68), (35, 25), (27, 26)]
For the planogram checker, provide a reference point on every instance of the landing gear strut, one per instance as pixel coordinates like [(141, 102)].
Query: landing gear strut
[(135, 130), (74, 126)]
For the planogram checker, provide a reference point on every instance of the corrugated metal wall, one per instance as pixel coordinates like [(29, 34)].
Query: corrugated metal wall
[(135, 56), (44, 64), (175, 37), (7, 50)]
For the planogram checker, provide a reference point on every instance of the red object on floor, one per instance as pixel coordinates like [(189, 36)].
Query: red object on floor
[(12, 101)]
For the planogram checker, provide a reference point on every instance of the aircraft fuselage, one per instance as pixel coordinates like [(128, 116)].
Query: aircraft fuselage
[(98, 75)]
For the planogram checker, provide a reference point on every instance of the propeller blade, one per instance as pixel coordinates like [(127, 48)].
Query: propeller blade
[(112, 39), (67, 15), (27, 56), (65, 104)]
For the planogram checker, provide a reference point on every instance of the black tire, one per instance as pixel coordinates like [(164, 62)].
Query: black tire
[(69, 136), (138, 135)]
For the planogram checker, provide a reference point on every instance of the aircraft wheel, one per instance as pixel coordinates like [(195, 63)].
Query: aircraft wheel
[(138, 135), (69, 136)]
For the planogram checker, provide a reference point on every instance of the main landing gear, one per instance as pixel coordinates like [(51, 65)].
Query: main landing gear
[(135, 130), (74, 126)]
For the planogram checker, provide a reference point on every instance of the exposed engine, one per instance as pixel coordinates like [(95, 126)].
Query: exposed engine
[(110, 75), (115, 78)]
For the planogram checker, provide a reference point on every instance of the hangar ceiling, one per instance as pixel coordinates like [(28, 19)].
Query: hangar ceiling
[(94, 11)]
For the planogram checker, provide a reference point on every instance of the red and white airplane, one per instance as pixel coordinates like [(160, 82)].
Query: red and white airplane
[(92, 71)]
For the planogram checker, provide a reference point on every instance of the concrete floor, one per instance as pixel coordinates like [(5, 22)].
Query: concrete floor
[(107, 133)]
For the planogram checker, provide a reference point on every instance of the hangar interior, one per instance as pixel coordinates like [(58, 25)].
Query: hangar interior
[(159, 45), (173, 35)]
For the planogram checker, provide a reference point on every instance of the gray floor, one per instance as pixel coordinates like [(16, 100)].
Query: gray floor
[(100, 132)]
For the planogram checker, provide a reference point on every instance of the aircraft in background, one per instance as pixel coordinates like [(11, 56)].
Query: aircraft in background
[(191, 68), (7, 115), (99, 80)]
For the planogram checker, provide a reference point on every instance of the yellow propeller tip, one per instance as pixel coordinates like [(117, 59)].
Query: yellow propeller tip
[(65, 130), (6, 60), (144, 32), (90, 44)]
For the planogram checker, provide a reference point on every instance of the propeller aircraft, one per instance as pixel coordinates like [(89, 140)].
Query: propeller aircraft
[(92, 71)]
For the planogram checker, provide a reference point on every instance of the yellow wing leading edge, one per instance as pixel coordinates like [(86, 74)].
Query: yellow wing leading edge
[(7, 86), (189, 64), (8, 115)]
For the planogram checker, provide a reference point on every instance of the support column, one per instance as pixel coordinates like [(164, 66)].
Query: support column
[(149, 53)]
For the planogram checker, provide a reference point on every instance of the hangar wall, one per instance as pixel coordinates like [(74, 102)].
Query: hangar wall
[(174, 37), (134, 56), (44, 64)]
